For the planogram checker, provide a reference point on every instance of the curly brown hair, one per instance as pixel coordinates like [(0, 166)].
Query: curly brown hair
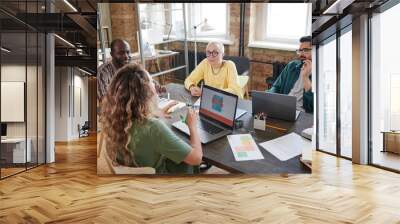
[(127, 102)]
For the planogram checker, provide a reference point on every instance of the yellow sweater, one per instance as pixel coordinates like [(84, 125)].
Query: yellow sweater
[(226, 79)]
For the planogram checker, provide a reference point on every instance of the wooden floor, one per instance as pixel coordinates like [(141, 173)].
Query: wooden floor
[(387, 159), (69, 191)]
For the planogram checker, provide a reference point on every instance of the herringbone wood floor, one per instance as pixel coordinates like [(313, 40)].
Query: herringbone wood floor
[(69, 191)]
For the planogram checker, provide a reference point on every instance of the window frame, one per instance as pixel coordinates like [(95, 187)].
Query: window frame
[(260, 37), (190, 18)]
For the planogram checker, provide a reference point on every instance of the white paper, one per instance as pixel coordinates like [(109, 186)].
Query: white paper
[(162, 102), (287, 146), (244, 148)]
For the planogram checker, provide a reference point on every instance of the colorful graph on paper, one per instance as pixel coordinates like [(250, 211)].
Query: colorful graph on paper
[(244, 148)]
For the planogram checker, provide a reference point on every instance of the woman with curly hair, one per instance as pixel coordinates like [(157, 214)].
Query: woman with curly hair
[(135, 137)]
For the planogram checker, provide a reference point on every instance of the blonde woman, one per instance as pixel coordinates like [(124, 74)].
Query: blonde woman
[(134, 136), (215, 72)]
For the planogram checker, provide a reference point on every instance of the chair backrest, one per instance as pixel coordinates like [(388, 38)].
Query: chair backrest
[(277, 68), (86, 125), (105, 166), (242, 64)]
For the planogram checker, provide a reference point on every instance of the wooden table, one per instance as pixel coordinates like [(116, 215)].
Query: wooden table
[(218, 153), (391, 141)]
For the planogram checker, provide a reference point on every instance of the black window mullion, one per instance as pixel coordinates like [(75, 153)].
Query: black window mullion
[(338, 95)]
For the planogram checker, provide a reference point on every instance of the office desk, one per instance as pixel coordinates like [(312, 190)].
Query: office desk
[(13, 151), (218, 153)]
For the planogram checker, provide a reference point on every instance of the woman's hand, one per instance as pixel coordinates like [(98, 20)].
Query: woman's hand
[(164, 111), (191, 119), (195, 156), (195, 91)]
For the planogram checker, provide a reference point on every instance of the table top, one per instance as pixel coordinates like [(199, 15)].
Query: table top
[(218, 152), (14, 140), (391, 132)]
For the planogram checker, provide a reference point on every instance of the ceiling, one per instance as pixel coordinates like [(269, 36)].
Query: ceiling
[(330, 15), (75, 21)]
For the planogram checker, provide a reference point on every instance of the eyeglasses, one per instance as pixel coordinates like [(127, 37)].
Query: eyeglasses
[(212, 53), (304, 50)]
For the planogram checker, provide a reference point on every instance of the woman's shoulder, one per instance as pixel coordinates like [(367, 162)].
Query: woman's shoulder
[(203, 62), (154, 122), (229, 63), (151, 127)]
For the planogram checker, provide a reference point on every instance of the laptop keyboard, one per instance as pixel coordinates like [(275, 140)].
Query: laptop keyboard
[(208, 127)]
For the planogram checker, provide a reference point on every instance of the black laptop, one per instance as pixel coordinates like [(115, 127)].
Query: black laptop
[(279, 106), (216, 114)]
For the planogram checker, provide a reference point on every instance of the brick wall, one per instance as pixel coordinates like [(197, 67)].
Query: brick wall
[(124, 25)]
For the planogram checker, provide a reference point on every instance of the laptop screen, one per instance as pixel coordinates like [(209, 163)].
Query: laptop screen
[(218, 105)]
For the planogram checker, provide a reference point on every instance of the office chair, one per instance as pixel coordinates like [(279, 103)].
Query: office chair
[(277, 68), (84, 130), (242, 66)]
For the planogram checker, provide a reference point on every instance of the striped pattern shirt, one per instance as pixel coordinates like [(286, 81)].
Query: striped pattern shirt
[(104, 75)]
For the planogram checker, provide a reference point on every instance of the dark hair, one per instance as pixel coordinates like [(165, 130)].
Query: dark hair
[(306, 39), (116, 41)]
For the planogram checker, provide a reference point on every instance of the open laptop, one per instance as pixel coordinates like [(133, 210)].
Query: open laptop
[(279, 106), (216, 115), (239, 112)]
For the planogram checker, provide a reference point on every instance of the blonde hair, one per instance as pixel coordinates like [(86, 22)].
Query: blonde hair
[(217, 44)]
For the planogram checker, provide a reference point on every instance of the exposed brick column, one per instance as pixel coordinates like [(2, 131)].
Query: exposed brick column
[(124, 23)]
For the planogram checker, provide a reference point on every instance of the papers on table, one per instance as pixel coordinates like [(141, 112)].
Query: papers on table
[(288, 146), (239, 112), (162, 102), (244, 148)]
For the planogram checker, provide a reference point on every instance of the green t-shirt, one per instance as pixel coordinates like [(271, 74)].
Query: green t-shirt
[(153, 144)]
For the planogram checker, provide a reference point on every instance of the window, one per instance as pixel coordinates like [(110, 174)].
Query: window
[(217, 16), (327, 96), (346, 94), (281, 28), (385, 84), (280, 24)]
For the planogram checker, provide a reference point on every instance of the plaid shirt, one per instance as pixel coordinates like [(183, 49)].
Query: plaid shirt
[(104, 75)]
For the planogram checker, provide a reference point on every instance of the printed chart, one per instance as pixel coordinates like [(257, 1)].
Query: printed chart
[(244, 148)]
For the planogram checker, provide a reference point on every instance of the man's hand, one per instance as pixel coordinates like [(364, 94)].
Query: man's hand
[(305, 73), (195, 91), (306, 69)]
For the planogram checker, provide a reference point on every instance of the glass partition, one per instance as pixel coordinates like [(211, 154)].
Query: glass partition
[(385, 89), (327, 96), (346, 93), (22, 88)]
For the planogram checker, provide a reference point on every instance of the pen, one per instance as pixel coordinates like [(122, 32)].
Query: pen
[(274, 127)]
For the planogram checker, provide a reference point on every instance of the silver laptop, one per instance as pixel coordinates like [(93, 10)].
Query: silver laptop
[(279, 106), (216, 115)]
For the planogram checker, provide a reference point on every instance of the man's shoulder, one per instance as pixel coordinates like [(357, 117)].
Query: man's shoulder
[(294, 63), (107, 67)]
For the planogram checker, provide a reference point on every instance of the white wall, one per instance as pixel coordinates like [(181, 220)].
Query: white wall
[(69, 82)]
